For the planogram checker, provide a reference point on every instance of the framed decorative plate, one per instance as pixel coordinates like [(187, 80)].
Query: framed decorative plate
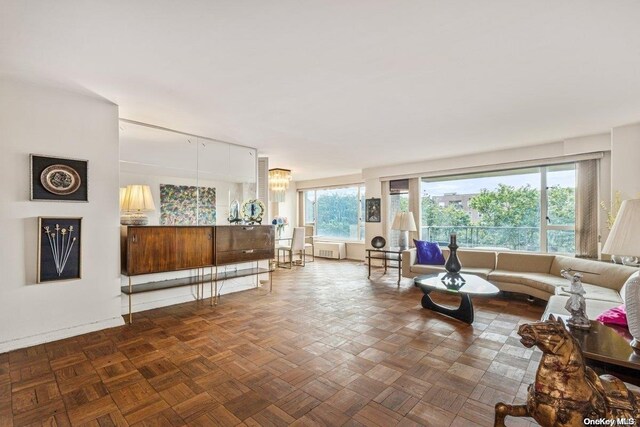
[(59, 179), (252, 211)]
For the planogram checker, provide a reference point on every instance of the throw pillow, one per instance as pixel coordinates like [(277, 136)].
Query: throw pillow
[(428, 253), (614, 316)]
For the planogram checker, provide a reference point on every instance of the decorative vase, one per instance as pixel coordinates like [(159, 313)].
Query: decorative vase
[(453, 263)]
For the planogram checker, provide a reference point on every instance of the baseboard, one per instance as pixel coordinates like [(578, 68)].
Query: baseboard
[(73, 331)]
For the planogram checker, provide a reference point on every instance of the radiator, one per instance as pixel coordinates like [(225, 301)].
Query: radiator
[(334, 250)]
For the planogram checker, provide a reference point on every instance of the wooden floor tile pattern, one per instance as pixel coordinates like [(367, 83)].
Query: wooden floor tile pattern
[(328, 347)]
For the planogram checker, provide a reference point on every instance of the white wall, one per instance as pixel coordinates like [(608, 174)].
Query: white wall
[(53, 121), (625, 160)]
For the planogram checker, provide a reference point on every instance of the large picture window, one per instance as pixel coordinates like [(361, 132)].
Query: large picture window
[(336, 212), (529, 209)]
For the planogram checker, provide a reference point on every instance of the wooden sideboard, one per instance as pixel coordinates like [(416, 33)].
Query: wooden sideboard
[(159, 249)]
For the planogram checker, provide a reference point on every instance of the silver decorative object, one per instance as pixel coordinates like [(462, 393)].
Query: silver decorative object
[(576, 304), (61, 242)]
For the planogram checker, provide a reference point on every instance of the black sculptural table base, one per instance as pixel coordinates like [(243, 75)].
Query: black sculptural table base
[(464, 312)]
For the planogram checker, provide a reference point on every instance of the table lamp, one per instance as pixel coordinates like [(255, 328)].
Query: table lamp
[(405, 223), (624, 240), (137, 201)]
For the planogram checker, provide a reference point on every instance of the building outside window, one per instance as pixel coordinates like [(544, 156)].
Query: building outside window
[(336, 212), (530, 209)]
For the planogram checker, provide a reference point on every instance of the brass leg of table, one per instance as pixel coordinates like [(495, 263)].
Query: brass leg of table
[(385, 264), (211, 288), (399, 272), (270, 281), (369, 258), (130, 315)]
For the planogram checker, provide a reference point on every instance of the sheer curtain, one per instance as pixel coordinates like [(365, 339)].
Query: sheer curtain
[(384, 210), (587, 209), (415, 208)]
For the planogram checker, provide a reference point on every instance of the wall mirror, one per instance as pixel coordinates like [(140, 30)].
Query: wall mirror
[(193, 180)]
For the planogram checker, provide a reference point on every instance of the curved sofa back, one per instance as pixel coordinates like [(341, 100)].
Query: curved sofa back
[(524, 262), (607, 274), (474, 258)]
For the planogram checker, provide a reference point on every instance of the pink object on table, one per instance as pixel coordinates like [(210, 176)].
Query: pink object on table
[(614, 316)]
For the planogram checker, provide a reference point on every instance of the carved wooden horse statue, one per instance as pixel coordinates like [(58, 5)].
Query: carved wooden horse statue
[(566, 392)]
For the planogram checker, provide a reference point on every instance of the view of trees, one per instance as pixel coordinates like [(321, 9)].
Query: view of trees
[(505, 217), (337, 213), (509, 217)]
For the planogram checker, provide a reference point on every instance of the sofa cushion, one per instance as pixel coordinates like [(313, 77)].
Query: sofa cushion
[(608, 274), (474, 258), (431, 269), (593, 292), (428, 253), (594, 307), (524, 262), (541, 281), (427, 269)]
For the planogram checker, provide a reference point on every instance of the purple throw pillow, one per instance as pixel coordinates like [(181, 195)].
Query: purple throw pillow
[(428, 253)]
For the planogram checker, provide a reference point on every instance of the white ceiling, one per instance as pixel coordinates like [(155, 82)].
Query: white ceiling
[(328, 87)]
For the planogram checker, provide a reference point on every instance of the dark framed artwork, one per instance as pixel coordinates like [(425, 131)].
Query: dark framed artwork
[(372, 210), (59, 179), (59, 249)]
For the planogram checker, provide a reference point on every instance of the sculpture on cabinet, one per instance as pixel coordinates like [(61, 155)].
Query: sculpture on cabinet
[(234, 213), (252, 211)]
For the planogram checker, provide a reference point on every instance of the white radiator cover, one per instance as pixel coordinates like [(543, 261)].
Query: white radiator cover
[(333, 250)]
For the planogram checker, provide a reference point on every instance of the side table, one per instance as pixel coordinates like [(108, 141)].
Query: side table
[(391, 254), (607, 350)]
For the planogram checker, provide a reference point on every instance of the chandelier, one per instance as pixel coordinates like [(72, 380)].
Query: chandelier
[(279, 183)]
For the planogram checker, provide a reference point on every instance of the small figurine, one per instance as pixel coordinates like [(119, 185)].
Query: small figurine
[(576, 304)]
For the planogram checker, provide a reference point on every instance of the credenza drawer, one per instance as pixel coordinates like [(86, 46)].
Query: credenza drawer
[(232, 257), (243, 237)]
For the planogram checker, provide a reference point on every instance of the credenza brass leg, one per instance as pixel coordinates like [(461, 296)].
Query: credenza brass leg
[(130, 315)]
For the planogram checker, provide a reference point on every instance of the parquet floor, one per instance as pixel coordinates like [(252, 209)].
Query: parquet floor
[(327, 347)]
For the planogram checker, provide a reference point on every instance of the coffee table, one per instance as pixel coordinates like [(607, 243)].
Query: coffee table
[(464, 285)]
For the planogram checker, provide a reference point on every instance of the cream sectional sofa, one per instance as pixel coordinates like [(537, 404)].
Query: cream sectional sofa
[(537, 275)]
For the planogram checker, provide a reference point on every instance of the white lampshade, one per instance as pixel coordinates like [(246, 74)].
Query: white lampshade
[(404, 221), (138, 198), (624, 238)]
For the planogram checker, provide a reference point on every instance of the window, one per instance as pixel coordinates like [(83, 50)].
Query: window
[(336, 212), (530, 209)]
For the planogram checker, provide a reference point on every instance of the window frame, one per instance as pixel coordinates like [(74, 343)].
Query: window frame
[(545, 224)]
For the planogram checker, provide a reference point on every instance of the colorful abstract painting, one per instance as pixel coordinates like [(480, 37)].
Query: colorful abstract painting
[(185, 205)]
